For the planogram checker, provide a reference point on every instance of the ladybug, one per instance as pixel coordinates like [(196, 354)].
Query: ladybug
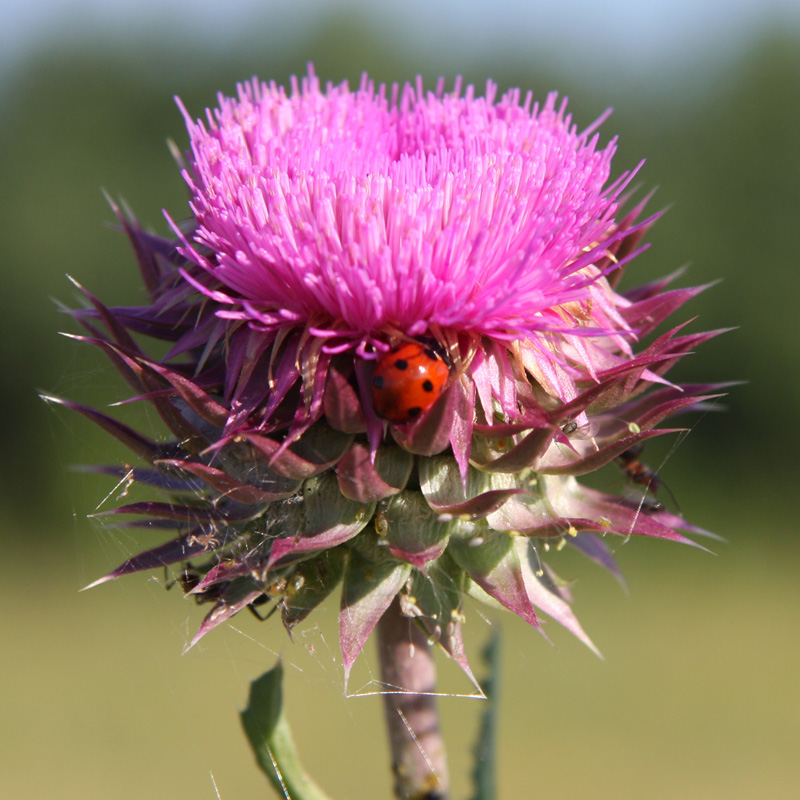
[(407, 380)]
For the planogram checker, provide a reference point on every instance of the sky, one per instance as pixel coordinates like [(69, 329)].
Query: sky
[(612, 34)]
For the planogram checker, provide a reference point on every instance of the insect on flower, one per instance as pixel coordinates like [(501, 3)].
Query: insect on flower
[(637, 471), (407, 381), (190, 578), (582, 436), (642, 475)]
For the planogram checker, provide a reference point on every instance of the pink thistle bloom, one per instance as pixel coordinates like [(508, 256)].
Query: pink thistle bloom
[(354, 213), (475, 239), (361, 217)]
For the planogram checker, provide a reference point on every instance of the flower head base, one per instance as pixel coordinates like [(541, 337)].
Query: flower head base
[(329, 228)]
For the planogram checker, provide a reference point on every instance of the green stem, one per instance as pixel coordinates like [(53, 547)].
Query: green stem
[(271, 740), (408, 673)]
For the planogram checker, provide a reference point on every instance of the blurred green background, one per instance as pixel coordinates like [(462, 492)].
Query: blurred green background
[(698, 695)]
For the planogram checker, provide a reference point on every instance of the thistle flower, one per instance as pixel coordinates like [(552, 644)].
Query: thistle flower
[(339, 242)]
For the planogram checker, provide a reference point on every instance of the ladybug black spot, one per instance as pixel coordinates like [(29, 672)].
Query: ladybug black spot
[(401, 363), (427, 386), (378, 382)]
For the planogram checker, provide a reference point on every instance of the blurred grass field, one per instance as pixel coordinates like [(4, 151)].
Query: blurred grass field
[(698, 695)]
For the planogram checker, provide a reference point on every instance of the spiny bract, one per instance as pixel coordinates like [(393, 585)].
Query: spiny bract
[(329, 226)]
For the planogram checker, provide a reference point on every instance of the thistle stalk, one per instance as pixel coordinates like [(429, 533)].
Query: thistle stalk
[(408, 672)]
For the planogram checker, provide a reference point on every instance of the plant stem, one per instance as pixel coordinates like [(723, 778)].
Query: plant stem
[(408, 673)]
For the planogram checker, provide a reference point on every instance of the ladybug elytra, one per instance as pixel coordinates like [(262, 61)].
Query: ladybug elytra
[(407, 380)]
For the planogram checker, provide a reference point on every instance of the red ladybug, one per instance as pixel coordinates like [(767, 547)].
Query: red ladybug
[(407, 380)]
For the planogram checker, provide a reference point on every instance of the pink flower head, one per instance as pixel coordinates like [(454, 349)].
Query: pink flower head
[(329, 228), (365, 215)]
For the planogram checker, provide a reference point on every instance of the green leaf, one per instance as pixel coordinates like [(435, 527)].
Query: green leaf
[(269, 735)]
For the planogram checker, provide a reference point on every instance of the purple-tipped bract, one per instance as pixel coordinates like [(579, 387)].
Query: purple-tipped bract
[(329, 226)]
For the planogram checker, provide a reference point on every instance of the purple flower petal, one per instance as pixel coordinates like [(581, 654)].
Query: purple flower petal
[(180, 549), (227, 486), (146, 448)]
